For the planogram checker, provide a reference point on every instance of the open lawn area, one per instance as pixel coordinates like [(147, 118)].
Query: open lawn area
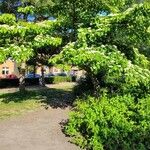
[(16, 103)]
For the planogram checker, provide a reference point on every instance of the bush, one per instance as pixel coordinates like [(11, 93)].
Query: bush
[(31, 81), (9, 83), (49, 80), (57, 79), (133, 83), (111, 123), (84, 85)]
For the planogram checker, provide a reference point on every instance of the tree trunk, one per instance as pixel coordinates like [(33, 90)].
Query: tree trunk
[(74, 20), (22, 78), (34, 71), (42, 77), (96, 85), (22, 81)]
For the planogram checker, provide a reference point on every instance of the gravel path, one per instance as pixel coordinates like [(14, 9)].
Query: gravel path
[(40, 130)]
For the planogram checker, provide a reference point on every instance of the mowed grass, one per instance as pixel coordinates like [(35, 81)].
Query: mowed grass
[(57, 95), (12, 104)]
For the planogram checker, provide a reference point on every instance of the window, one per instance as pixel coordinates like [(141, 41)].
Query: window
[(5, 70)]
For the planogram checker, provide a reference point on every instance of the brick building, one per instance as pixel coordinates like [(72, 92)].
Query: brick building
[(9, 67)]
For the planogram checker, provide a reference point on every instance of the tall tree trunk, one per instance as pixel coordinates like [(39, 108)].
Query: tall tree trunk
[(42, 77), (96, 85), (74, 20), (34, 71), (22, 79)]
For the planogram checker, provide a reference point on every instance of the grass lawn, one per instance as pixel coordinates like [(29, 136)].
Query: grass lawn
[(12, 104), (18, 103)]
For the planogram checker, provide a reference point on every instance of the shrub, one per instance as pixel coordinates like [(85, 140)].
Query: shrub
[(136, 82), (111, 123), (31, 81), (9, 83), (49, 80), (84, 85), (57, 79)]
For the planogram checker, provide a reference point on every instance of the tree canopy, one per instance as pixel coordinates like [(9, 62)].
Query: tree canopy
[(111, 46)]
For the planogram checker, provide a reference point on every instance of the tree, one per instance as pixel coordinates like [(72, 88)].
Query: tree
[(20, 40), (38, 9), (109, 50), (9, 6), (80, 13)]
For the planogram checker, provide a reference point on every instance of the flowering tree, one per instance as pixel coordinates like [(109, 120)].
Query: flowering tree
[(111, 49), (20, 39)]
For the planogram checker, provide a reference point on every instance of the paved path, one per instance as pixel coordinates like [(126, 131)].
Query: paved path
[(40, 130)]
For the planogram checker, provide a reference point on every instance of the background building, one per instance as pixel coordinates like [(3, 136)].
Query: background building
[(9, 67)]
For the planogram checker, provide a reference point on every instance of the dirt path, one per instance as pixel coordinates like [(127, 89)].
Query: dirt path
[(40, 130)]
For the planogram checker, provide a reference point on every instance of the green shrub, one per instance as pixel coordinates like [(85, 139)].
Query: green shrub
[(84, 85), (118, 123), (9, 83), (135, 81), (57, 79), (49, 80), (31, 81)]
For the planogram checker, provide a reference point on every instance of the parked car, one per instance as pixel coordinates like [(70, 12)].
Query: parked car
[(32, 75), (11, 76), (49, 75)]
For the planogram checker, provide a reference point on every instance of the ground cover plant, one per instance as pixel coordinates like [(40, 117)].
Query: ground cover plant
[(111, 123)]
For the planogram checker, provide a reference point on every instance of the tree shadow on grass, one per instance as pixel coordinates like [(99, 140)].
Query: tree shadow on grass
[(18, 97), (57, 98), (48, 97)]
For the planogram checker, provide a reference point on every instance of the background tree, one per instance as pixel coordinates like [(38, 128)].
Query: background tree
[(9, 6), (79, 13), (20, 39)]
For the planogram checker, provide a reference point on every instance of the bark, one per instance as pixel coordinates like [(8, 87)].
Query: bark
[(22, 81), (74, 20), (42, 77), (34, 71), (96, 85)]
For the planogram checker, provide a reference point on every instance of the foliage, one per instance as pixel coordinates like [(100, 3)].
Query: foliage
[(79, 13), (109, 51), (84, 86), (57, 79), (111, 123), (38, 8), (9, 6), (9, 83), (20, 40)]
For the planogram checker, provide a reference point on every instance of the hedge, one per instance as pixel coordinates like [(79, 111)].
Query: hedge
[(4, 83), (57, 79), (116, 123), (9, 83), (31, 81)]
